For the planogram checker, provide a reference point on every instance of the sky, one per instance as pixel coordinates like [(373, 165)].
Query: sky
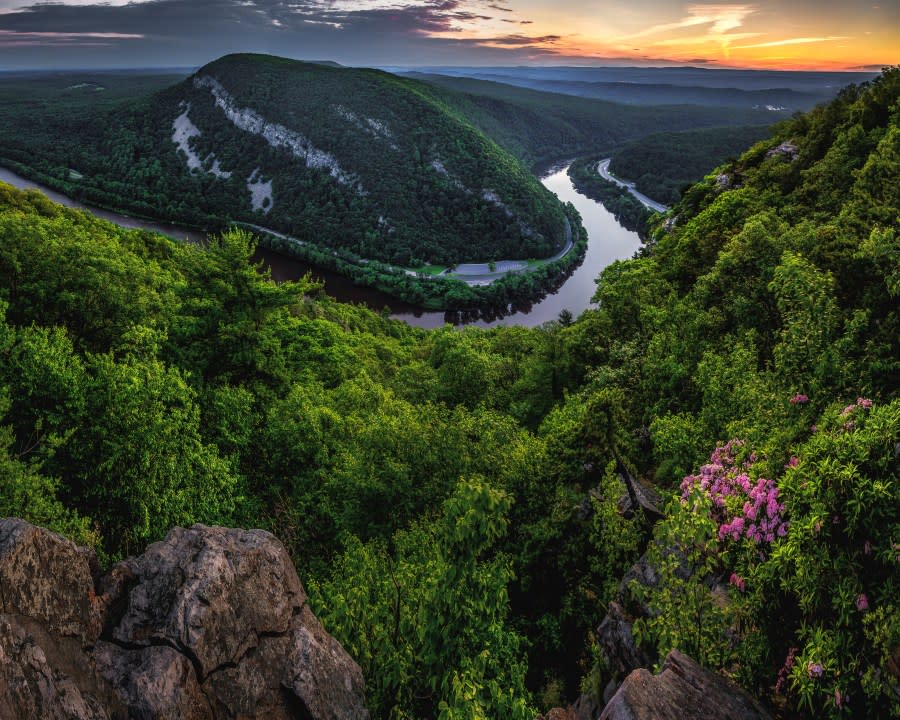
[(772, 34)]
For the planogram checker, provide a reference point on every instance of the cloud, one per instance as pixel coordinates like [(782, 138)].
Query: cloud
[(792, 41), (192, 32), (720, 18), (725, 40), (518, 40)]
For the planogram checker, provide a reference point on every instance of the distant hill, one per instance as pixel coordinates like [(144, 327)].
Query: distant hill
[(540, 126), (661, 165), (776, 92)]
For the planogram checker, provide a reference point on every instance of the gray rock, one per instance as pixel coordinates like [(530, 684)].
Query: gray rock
[(617, 643), (682, 691), (48, 578), (210, 623), (156, 683), (587, 708), (787, 149), (210, 592), (47, 676), (312, 649)]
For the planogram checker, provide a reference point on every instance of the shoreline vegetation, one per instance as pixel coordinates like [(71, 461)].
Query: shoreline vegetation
[(429, 291)]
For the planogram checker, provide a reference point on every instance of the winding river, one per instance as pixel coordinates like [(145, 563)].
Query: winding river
[(607, 242)]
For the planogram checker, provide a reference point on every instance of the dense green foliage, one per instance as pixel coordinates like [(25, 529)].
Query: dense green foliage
[(770, 305), (661, 165), (433, 487), (442, 292)]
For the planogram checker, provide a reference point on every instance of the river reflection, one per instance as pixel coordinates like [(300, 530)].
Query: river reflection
[(607, 242)]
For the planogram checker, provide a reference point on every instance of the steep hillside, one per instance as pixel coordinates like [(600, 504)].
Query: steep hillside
[(356, 160), (662, 164), (750, 363)]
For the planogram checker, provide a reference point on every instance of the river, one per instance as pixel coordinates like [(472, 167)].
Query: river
[(607, 242)]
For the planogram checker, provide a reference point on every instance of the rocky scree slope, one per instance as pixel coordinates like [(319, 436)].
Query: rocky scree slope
[(209, 623)]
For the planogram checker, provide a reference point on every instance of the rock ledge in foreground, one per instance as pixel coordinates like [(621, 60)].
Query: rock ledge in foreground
[(211, 623)]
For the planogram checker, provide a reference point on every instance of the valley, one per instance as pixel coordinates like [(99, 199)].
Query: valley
[(422, 224), (651, 468)]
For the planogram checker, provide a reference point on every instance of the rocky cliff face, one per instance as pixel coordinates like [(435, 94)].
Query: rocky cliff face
[(209, 623)]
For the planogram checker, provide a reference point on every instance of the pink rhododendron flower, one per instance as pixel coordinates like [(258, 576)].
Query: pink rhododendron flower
[(862, 603), (742, 507), (864, 403), (815, 670), (799, 399), (737, 581)]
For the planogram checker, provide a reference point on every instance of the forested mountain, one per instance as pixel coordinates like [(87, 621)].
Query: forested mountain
[(452, 498), (357, 160)]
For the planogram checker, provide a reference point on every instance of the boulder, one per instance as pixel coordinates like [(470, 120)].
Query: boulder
[(787, 149), (640, 496), (154, 682), (48, 578), (209, 592), (210, 623), (682, 691)]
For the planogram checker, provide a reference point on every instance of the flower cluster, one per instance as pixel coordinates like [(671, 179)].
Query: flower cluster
[(785, 669), (799, 399), (861, 402), (742, 507), (738, 582), (815, 670)]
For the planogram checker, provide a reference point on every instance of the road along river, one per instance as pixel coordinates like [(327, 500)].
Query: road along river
[(607, 242), (603, 171)]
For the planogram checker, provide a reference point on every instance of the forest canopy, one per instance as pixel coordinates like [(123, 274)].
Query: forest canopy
[(451, 497)]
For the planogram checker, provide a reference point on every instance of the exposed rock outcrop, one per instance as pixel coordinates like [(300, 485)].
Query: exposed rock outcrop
[(787, 150), (278, 136), (209, 623), (682, 691)]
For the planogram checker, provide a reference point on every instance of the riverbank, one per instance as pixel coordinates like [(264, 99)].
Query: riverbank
[(473, 289), (605, 239)]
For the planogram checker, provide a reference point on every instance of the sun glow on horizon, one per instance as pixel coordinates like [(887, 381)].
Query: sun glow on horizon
[(765, 35)]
